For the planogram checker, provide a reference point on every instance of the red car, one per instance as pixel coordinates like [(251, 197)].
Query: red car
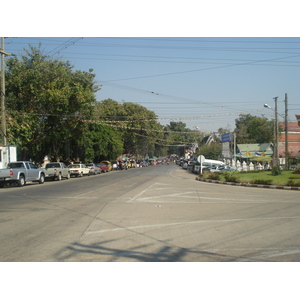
[(103, 167)]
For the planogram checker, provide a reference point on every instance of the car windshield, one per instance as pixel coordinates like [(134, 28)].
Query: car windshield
[(15, 165), (74, 166), (54, 165)]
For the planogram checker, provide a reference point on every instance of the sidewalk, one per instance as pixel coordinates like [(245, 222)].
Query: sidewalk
[(250, 185)]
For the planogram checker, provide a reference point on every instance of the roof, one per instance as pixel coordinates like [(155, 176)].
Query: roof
[(292, 126), (294, 148), (267, 147), (250, 150)]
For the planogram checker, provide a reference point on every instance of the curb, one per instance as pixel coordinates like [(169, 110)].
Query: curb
[(250, 185)]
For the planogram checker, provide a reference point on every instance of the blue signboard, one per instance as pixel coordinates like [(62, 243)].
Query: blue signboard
[(226, 137)]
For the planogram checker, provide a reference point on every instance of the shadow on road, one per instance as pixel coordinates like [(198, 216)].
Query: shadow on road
[(100, 252)]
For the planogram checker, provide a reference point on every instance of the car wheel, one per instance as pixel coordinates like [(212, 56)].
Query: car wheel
[(59, 177), (42, 179), (21, 181), (2, 183)]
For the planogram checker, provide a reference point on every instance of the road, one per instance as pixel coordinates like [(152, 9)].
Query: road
[(155, 214)]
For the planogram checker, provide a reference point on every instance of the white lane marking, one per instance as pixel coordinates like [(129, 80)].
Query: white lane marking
[(101, 188), (195, 195), (143, 191), (270, 253), (186, 223)]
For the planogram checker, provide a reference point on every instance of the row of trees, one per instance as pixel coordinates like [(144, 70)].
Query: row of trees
[(51, 109)]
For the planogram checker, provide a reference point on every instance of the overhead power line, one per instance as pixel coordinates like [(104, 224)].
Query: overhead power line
[(65, 45)]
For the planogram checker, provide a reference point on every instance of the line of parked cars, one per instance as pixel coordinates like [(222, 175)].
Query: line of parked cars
[(19, 172)]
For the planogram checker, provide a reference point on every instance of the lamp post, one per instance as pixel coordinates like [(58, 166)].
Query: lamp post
[(276, 148)]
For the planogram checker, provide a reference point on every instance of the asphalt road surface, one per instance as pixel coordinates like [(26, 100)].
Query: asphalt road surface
[(155, 214)]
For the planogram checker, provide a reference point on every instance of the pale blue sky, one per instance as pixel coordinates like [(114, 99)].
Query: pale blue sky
[(203, 82)]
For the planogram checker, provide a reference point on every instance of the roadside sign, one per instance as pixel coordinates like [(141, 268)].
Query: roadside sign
[(226, 138)]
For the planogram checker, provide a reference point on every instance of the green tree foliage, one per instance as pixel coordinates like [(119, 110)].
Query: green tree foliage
[(253, 129), (136, 125), (181, 137), (211, 151), (47, 104), (52, 110)]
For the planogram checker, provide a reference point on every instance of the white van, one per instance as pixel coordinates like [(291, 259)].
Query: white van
[(207, 163)]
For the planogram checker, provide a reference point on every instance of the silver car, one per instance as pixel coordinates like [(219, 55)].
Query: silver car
[(94, 169)]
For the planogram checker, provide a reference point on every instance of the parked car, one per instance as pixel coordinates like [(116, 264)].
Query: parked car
[(57, 170), (103, 167), (184, 164), (225, 169), (108, 163), (212, 169), (20, 172), (78, 170), (94, 169), (221, 169), (190, 165)]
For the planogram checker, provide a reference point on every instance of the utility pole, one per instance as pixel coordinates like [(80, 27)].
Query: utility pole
[(3, 119), (3, 113), (286, 133), (234, 148), (276, 152)]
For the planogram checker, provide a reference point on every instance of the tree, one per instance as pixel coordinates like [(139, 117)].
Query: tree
[(253, 129), (211, 151), (47, 103), (180, 136), (136, 125)]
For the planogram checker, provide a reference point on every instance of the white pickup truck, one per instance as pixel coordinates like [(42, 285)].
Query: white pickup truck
[(57, 170), (20, 172)]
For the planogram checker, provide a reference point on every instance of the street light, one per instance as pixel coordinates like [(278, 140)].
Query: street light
[(276, 148)]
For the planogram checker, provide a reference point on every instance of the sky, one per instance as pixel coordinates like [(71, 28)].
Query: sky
[(203, 65), (204, 82)]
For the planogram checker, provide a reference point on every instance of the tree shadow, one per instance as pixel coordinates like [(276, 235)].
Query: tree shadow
[(101, 252)]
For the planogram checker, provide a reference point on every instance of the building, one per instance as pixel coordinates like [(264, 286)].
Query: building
[(252, 150), (293, 139), (298, 155)]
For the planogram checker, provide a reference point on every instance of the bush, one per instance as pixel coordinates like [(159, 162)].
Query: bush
[(291, 182), (294, 177), (229, 177), (208, 175), (297, 171), (214, 176), (262, 181), (276, 170)]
